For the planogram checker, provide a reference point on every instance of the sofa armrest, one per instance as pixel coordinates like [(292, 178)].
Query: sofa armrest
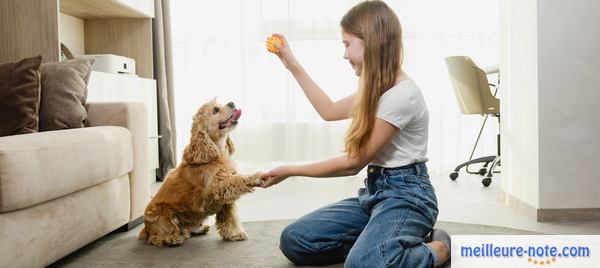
[(132, 116)]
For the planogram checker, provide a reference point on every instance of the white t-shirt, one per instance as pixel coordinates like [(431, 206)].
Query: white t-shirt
[(404, 107)]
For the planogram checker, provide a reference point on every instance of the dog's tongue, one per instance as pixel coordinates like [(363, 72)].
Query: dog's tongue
[(236, 114), (233, 119)]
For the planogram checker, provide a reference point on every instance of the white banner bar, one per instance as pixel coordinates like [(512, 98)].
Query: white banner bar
[(525, 251)]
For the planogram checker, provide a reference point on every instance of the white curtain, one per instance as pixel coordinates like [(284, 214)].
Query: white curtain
[(219, 51)]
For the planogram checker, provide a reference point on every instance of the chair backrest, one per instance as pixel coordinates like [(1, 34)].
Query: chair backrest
[(471, 87)]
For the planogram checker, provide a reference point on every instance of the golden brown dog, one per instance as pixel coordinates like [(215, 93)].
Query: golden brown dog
[(204, 184)]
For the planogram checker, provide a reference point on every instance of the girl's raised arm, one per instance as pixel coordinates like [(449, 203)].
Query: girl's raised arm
[(327, 109)]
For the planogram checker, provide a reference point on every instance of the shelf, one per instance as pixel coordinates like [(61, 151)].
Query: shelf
[(95, 9), (119, 27)]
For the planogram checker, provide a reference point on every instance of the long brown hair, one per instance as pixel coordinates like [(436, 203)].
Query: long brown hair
[(379, 28)]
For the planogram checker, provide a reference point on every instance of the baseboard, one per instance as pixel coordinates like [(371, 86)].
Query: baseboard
[(520, 206), (130, 225), (568, 214), (553, 214)]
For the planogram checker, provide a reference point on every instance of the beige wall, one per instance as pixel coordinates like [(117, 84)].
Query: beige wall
[(569, 103), (550, 60), (519, 105), (71, 33)]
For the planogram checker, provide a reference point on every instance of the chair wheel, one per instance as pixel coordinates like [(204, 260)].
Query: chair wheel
[(453, 176), (482, 171), (486, 182)]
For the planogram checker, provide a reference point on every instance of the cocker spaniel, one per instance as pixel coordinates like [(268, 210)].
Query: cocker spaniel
[(203, 184)]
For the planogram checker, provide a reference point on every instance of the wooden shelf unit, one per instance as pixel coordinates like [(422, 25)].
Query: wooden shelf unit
[(108, 8), (120, 27)]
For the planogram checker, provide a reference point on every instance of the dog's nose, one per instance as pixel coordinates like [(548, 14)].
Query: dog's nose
[(231, 105)]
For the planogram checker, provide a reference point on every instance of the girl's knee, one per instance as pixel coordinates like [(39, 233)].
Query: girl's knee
[(301, 248), (286, 240), (290, 245)]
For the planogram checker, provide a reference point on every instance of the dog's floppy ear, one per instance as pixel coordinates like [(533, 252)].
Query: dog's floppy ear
[(229, 146), (201, 149)]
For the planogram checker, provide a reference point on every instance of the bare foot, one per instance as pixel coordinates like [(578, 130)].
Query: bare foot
[(441, 250)]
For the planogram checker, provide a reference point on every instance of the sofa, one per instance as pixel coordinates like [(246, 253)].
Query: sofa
[(60, 190)]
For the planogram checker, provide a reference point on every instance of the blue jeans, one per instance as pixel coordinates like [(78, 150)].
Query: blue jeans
[(383, 227)]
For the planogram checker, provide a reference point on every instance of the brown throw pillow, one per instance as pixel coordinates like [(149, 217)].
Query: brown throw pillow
[(64, 92), (19, 96)]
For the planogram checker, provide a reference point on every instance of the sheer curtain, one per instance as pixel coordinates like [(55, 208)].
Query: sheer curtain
[(219, 51)]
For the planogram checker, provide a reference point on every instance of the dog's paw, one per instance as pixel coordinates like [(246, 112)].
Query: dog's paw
[(255, 180), (202, 230), (167, 240), (236, 236)]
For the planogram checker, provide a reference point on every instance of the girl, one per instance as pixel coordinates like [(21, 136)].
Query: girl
[(388, 224)]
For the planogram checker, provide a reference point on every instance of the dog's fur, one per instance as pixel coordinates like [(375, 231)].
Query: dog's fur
[(204, 184)]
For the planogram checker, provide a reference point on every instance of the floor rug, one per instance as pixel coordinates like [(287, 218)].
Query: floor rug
[(260, 250)]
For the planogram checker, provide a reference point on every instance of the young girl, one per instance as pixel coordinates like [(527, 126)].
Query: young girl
[(388, 224)]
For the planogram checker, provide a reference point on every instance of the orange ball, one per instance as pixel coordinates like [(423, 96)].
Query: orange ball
[(271, 43)]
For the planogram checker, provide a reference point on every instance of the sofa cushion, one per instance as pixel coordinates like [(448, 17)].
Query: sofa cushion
[(64, 93), (19, 96), (38, 167)]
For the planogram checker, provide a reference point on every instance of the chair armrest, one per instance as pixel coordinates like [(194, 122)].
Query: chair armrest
[(132, 116)]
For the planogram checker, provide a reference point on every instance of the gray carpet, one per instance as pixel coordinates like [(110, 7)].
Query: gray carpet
[(261, 250)]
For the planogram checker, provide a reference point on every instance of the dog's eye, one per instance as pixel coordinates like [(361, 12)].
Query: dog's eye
[(215, 110)]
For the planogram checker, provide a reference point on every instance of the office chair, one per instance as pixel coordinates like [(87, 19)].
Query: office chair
[(474, 96)]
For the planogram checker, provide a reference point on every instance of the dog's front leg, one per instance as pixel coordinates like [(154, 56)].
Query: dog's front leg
[(227, 190), (229, 225), (250, 180)]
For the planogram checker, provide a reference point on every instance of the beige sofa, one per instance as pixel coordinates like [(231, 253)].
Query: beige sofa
[(60, 190)]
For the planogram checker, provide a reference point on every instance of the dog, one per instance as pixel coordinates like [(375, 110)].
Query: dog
[(203, 184)]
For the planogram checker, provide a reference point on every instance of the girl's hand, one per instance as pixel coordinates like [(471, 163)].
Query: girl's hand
[(285, 53), (275, 176)]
